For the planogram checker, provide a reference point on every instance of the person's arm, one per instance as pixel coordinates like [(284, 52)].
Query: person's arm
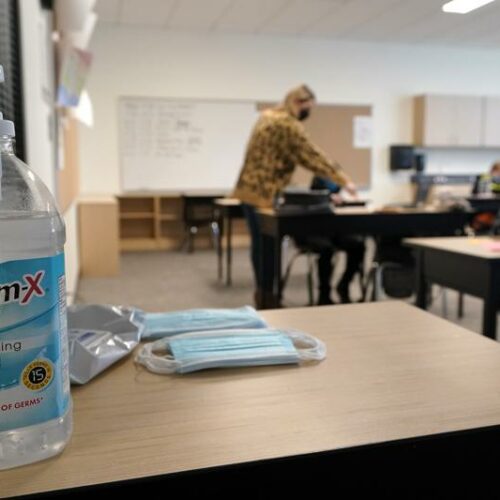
[(304, 152), (324, 183)]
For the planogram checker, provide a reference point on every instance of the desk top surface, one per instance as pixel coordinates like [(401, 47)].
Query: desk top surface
[(228, 202), (359, 210), (485, 247), (392, 372), (195, 193)]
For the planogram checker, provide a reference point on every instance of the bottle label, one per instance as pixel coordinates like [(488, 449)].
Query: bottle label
[(34, 371)]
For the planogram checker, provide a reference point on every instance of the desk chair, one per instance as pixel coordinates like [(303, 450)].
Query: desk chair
[(392, 271), (300, 250), (392, 275), (310, 249), (198, 211)]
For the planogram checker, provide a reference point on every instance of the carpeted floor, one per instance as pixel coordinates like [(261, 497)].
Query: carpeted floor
[(166, 281)]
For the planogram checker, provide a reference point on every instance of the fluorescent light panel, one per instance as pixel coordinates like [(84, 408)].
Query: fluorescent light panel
[(464, 6)]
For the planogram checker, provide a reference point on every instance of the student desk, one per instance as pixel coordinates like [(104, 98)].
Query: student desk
[(401, 391), (394, 222), (464, 264), (485, 202), (226, 209)]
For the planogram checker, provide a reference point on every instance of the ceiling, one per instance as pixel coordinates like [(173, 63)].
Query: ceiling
[(394, 21)]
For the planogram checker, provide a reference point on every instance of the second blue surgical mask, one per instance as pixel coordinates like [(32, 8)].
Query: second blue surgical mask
[(158, 325), (230, 348)]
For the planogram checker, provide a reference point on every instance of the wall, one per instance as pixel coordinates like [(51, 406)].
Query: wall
[(71, 252), (39, 106), (149, 62), (38, 89)]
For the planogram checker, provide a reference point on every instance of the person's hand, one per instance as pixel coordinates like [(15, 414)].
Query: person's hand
[(350, 187), (336, 199)]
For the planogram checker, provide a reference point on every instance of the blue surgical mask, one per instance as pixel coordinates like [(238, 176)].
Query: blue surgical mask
[(192, 320), (222, 349)]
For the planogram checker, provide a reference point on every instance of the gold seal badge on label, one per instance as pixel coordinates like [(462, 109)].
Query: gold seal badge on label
[(37, 375)]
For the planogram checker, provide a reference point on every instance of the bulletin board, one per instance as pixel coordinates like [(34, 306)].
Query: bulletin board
[(344, 133)]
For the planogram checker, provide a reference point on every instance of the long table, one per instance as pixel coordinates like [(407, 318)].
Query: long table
[(464, 264), (400, 395), (401, 222)]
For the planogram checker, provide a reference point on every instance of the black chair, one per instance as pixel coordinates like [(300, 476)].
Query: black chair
[(392, 271), (301, 249), (198, 211)]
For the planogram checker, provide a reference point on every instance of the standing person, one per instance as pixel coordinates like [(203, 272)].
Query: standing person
[(277, 145)]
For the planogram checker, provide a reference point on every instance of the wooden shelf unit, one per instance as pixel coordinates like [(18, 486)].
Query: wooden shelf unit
[(154, 221), (143, 219)]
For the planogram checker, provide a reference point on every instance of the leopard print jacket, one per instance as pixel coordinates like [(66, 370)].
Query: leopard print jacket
[(277, 145)]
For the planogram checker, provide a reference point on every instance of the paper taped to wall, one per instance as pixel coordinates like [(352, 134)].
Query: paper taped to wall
[(362, 132)]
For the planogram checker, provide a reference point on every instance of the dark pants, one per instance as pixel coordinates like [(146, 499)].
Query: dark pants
[(354, 247), (262, 276)]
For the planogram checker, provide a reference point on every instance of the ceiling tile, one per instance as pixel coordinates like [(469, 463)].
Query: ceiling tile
[(246, 16), (108, 10), (146, 12), (348, 16), (297, 15), (394, 19), (198, 14), (473, 26)]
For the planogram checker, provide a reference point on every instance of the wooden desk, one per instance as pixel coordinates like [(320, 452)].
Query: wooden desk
[(465, 264), (226, 209), (400, 392), (394, 222)]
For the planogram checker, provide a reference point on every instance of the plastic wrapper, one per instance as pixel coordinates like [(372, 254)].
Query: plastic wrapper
[(99, 336)]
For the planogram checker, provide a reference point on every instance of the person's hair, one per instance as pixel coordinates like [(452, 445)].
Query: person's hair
[(495, 167), (302, 93), (307, 92)]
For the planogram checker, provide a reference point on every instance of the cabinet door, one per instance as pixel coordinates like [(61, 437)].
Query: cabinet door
[(439, 117), (491, 106), (467, 125), (449, 120)]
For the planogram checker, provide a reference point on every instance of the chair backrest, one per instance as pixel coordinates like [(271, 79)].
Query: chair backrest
[(398, 280), (198, 210), (397, 266)]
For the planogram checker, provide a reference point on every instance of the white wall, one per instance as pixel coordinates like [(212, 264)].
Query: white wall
[(71, 252), (150, 62), (38, 89), (39, 108)]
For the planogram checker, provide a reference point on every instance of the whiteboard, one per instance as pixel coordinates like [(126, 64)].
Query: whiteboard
[(175, 144)]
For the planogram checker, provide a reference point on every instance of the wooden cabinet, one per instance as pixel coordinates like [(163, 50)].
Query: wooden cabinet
[(448, 121), (491, 115), (98, 234)]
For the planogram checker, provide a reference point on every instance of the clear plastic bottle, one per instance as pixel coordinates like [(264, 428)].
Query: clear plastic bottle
[(35, 402)]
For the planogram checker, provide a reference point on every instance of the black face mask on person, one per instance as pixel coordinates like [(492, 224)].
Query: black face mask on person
[(304, 114)]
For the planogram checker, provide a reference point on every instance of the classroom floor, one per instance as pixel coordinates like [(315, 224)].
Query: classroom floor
[(166, 281)]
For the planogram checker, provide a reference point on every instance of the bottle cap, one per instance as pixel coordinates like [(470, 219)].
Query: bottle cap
[(6, 126)]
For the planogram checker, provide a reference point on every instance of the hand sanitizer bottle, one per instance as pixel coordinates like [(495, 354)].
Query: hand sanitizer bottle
[(35, 403)]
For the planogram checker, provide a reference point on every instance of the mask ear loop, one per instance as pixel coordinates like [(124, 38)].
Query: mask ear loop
[(309, 348), (165, 363)]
